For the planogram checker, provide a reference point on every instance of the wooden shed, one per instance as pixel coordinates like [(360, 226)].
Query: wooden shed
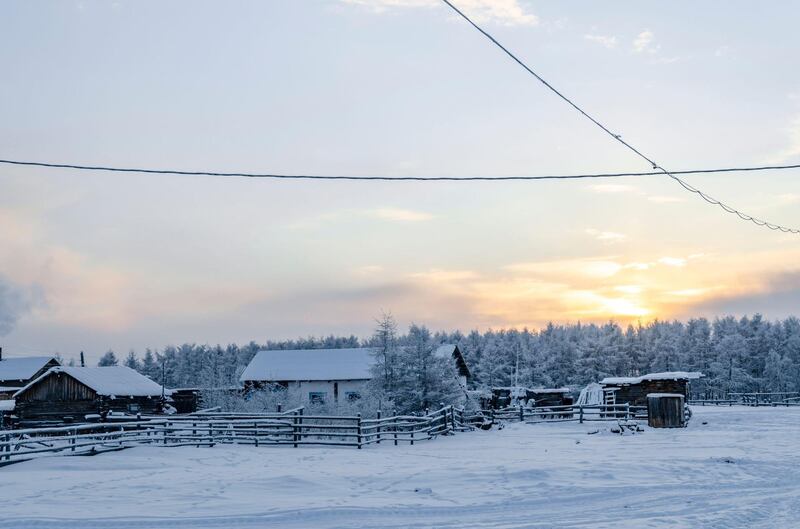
[(75, 392), (634, 390), (665, 410)]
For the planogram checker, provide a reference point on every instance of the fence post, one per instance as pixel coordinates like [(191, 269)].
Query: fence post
[(521, 413), (300, 428), (194, 432), (394, 429), (294, 427), (7, 447), (628, 411), (255, 432), (359, 431), (166, 426), (580, 414), (378, 429), (280, 407)]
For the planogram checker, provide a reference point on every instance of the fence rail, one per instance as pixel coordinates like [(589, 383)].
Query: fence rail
[(290, 428), (572, 412)]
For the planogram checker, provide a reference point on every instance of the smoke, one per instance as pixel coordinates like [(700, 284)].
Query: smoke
[(15, 302)]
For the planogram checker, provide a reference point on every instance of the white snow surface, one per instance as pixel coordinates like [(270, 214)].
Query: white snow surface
[(741, 469), (7, 405), (110, 381), (667, 375), (310, 364), (21, 368)]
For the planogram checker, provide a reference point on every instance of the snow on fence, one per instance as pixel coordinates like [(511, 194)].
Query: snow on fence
[(753, 399), (292, 428), (572, 412)]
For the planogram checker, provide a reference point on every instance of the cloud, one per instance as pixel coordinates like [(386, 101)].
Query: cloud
[(792, 150), (789, 198), (612, 188), (662, 199), (505, 12), (606, 236), (643, 43), (398, 214), (673, 261), (15, 302), (607, 41), (779, 297)]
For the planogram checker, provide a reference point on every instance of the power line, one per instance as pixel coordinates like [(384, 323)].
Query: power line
[(618, 137), (393, 178)]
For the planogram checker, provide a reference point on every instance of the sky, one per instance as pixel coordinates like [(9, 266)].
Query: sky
[(92, 261)]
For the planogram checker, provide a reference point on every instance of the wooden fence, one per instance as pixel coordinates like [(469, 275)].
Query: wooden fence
[(752, 399), (290, 428), (574, 412), (293, 428)]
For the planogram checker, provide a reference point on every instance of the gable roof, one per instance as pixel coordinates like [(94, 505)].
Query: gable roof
[(449, 350), (310, 364), (22, 368), (667, 375), (111, 381)]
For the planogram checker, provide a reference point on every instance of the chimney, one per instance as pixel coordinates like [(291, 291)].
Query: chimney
[(83, 362)]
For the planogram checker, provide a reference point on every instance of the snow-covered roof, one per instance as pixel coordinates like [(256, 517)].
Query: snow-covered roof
[(110, 381), (549, 390), (22, 368), (445, 351), (667, 375), (659, 395), (451, 351), (7, 405), (310, 364)]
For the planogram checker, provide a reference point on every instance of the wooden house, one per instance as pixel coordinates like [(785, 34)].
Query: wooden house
[(71, 393), (15, 373), (634, 390), (319, 375)]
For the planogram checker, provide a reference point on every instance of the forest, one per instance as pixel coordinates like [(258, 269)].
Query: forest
[(736, 354)]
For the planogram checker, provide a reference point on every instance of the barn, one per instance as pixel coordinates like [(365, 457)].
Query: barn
[(70, 393), (634, 390), (320, 375), (16, 373)]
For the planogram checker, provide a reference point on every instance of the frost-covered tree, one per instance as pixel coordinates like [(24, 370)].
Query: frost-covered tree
[(108, 359)]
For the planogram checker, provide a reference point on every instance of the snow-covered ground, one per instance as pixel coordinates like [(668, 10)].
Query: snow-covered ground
[(741, 469)]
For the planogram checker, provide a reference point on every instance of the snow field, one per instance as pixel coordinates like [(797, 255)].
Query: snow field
[(741, 469)]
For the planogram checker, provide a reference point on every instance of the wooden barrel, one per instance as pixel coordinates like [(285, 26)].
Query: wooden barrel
[(665, 410)]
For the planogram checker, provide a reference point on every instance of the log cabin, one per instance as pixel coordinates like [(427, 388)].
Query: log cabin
[(72, 393), (634, 390), (16, 373)]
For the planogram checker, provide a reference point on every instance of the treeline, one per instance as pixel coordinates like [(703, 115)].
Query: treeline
[(736, 355)]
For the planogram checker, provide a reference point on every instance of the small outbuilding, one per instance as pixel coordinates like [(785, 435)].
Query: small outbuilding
[(634, 390), (74, 392)]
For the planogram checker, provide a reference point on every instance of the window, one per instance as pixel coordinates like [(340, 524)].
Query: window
[(317, 397), (133, 408), (352, 396)]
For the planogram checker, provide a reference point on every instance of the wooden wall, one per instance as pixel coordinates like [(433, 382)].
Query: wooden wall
[(636, 394), (59, 395)]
